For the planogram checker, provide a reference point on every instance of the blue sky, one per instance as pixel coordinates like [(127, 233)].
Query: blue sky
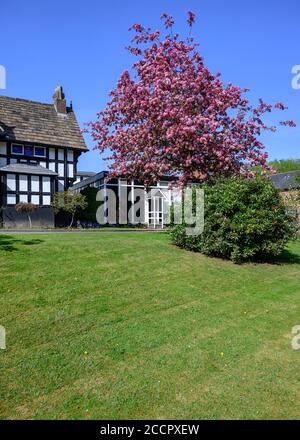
[(80, 45)]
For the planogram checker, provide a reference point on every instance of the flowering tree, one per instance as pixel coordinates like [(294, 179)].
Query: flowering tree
[(174, 117)]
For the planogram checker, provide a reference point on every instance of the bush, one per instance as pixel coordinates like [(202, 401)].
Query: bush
[(89, 213), (245, 219), (68, 202)]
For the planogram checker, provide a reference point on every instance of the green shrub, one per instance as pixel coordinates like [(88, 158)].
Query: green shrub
[(245, 219), (89, 213)]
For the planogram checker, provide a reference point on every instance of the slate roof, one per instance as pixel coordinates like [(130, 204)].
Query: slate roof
[(85, 173), (286, 181), (23, 168), (29, 121), (89, 180)]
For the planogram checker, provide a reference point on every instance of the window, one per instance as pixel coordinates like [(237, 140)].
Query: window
[(46, 200), (17, 149), (61, 169), (61, 155), (3, 161), (35, 200), (23, 183), (51, 153), (70, 156), (61, 185), (70, 170), (35, 184), (11, 182), (46, 184), (43, 164), (11, 199), (52, 166), (40, 151), (2, 148), (28, 150), (23, 198)]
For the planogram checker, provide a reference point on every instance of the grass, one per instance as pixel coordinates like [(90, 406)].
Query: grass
[(128, 326)]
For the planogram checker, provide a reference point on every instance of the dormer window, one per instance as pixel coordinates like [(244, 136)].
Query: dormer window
[(17, 149), (28, 150), (40, 151)]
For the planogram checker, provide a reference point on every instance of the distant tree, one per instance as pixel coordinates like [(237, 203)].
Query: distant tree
[(171, 115), (27, 208), (285, 165), (69, 202)]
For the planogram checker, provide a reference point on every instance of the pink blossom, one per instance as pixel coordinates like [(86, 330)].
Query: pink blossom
[(289, 123), (168, 20), (280, 106), (173, 116), (191, 18)]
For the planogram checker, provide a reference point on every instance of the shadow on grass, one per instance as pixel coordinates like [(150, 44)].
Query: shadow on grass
[(287, 257), (8, 243)]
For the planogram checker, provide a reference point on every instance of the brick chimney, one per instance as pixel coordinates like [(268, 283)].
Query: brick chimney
[(59, 101)]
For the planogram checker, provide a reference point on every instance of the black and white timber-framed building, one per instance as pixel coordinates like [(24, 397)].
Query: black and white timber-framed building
[(39, 148)]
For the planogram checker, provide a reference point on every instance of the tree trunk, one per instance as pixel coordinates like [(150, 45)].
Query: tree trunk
[(30, 224), (71, 224)]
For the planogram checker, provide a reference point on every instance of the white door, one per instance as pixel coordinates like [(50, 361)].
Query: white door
[(155, 212)]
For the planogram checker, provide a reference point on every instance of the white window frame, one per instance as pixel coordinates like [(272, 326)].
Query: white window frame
[(38, 155)]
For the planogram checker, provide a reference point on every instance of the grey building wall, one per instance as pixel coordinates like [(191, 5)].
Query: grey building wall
[(42, 218)]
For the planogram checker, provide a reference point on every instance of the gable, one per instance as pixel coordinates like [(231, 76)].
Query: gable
[(39, 123)]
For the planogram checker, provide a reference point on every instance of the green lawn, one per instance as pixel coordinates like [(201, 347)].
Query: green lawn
[(122, 325)]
